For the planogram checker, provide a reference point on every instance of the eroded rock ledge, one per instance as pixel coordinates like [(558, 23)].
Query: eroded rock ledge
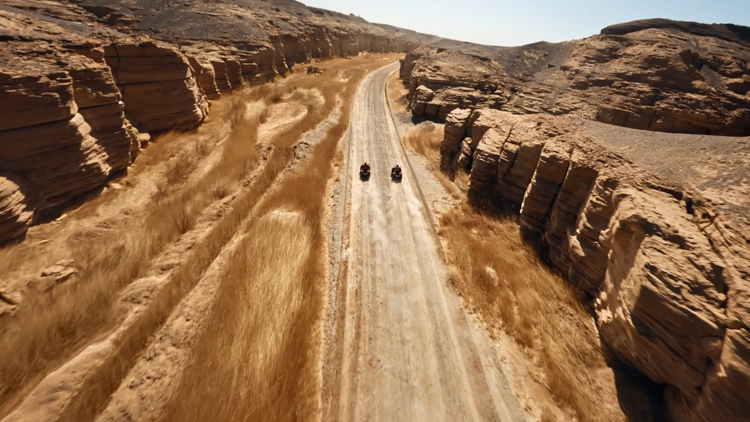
[(81, 90), (657, 75), (667, 268)]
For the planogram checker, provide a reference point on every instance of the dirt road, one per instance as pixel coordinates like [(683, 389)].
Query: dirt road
[(403, 347)]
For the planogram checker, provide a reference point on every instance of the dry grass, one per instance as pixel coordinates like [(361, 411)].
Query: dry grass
[(397, 93), (221, 189), (46, 329), (258, 356), (307, 96), (501, 278), (425, 140)]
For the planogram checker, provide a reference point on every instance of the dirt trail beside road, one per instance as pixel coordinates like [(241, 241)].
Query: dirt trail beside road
[(403, 347)]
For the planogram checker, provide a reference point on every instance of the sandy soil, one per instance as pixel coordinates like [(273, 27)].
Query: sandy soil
[(404, 349)]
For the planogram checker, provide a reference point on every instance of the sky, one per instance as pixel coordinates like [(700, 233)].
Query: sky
[(519, 22)]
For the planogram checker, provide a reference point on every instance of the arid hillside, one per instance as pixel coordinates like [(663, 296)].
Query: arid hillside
[(656, 75), (84, 84)]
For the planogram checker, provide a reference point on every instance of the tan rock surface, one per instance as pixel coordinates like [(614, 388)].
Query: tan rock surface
[(15, 215), (670, 77), (667, 283)]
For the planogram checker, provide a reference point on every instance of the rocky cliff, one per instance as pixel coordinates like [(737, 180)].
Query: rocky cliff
[(666, 260), (657, 75), (84, 83)]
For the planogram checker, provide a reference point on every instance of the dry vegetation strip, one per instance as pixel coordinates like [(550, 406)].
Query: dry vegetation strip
[(397, 92), (258, 357), (424, 140), (501, 279), (47, 330)]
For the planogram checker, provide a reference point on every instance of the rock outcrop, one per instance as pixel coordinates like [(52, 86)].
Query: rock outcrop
[(655, 75), (158, 85), (667, 270), (80, 98), (15, 216)]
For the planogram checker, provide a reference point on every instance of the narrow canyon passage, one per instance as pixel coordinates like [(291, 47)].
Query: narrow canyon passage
[(407, 350)]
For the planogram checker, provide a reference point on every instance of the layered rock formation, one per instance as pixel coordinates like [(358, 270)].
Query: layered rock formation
[(80, 80), (158, 85), (666, 265), (655, 75)]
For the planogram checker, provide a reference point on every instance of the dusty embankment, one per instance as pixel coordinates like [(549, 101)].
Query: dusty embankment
[(665, 263), (163, 243)]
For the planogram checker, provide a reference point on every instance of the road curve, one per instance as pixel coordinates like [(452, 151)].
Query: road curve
[(405, 349)]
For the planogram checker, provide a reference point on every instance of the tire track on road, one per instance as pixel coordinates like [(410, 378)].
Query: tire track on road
[(407, 352)]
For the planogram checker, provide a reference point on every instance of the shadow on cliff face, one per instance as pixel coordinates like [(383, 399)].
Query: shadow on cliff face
[(641, 399)]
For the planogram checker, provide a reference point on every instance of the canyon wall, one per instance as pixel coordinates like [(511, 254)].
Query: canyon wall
[(681, 77), (80, 100), (668, 271)]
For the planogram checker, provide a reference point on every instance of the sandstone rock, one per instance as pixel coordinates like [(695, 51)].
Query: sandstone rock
[(656, 252), (546, 183), (589, 253), (455, 131), (206, 76), (668, 278), (234, 74), (484, 164), (513, 183), (100, 105), (31, 87), (563, 221), (15, 213), (59, 159), (220, 72), (157, 86), (464, 158), (670, 77)]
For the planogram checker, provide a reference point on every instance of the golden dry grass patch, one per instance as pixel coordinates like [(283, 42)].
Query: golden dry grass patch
[(397, 92), (424, 140), (277, 377), (501, 278)]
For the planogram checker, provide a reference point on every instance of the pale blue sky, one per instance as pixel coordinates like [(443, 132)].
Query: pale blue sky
[(510, 23)]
